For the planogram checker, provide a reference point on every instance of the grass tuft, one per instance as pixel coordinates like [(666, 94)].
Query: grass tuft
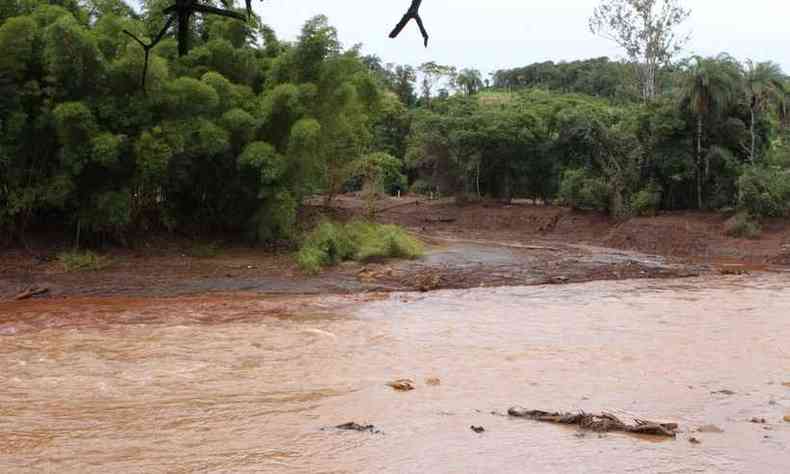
[(330, 243), (77, 261)]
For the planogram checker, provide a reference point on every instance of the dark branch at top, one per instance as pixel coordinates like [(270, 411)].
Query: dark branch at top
[(182, 10), (412, 13)]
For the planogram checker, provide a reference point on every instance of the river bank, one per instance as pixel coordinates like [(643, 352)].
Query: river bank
[(483, 244)]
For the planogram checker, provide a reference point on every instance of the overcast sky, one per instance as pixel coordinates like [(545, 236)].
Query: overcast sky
[(494, 34)]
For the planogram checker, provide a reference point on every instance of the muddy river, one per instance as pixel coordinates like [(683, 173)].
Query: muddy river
[(228, 384)]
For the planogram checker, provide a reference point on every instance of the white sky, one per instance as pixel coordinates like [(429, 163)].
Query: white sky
[(494, 34)]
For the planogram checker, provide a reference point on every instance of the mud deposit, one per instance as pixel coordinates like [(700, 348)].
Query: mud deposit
[(232, 383)]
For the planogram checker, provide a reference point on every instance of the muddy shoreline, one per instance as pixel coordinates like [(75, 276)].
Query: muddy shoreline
[(479, 245)]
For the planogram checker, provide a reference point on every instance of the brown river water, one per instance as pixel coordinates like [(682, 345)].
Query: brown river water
[(233, 384)]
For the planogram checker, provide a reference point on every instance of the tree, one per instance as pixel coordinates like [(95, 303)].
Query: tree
[(432, 74), (709, 86), (470, 81), (764, 86), (645, 29)]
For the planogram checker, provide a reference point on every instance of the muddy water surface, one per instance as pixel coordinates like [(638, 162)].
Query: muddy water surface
[(237, 385)]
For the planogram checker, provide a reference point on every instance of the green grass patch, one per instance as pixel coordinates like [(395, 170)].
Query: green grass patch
[(203, 250), (331, 243), (77, 261)]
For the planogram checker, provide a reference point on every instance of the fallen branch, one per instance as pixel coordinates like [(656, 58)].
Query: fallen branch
[(605, 422), (31, 292)]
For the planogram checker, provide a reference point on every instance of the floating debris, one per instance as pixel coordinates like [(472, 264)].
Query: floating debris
[(694, 440), (477, 429), (433, 381), (604, 422), (352, 426), (402, 385), (723, 392)]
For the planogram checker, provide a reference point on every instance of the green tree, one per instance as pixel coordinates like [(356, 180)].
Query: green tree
[(765, 87), (470, 81), (709, 86), (646, 30)]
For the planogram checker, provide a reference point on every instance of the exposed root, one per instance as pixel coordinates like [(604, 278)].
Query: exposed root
[(604, 422)]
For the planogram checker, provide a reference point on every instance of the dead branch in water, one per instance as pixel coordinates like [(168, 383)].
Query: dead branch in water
[(31, 292), (605, 422)]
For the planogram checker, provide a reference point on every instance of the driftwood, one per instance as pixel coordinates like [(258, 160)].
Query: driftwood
[(31, 292), (402, 385), (605, 422), (352, 426)]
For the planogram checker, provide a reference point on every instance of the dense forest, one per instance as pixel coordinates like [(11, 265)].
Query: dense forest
[(234, 135)]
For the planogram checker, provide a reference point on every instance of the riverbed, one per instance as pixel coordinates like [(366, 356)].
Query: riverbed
[(242, 383)]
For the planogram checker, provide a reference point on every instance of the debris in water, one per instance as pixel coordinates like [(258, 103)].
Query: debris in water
[(694, 440), (601, 423), (428, 282), (710, 429), (30, 293), (723, 392), (402, 385), (352, 426), (787, 418), (320, 332), (477, 429), (758, 420), (434, 381)]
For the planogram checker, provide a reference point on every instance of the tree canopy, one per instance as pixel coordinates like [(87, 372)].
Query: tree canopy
[(234, 135)]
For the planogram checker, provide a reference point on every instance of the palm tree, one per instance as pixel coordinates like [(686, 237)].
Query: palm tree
[(764, 86), (709, 86)]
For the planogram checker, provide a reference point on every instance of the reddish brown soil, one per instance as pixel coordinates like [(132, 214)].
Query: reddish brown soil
[(695, 236), (483, 244)]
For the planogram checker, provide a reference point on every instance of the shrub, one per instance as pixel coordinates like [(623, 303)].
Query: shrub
[(647, 201), (764, 191), (76, 261), (579, 190), (742, 226), (376, 241), (330, 243)]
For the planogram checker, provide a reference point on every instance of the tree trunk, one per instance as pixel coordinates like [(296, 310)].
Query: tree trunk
[(753, 148), (699, 161), (183, 32), (477, 180)]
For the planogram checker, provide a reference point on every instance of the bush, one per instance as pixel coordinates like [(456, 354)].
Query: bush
[(647, 201), (330, 243), (579, 190), (742, 226), (376, 241), (76, 261), (764, 191)]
